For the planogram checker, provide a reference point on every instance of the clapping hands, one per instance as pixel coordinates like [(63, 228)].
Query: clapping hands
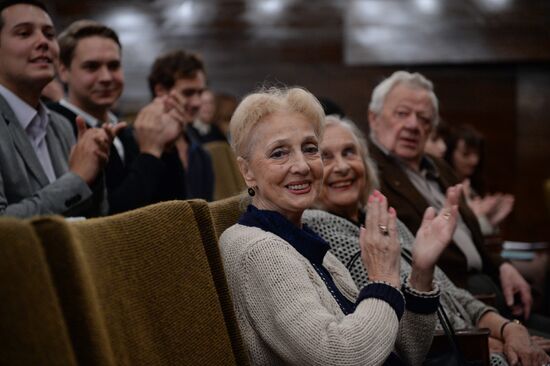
[(496, 207), (91, 151), (432, 238), (380, 249), (159, 124)]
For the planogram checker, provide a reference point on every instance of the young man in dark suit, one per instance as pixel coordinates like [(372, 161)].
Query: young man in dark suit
[(91, 67), (182, 73)]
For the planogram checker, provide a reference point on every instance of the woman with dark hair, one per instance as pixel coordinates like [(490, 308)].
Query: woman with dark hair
[(465, 153)]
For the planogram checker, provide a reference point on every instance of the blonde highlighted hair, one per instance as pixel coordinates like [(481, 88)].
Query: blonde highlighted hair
[(257, 106)]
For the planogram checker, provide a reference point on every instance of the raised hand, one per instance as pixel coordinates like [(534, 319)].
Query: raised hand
[(502, 208), (157, 126), (113, 130), (432, 238), (174, 104), (178, 102), (380, 249), (91, 151)]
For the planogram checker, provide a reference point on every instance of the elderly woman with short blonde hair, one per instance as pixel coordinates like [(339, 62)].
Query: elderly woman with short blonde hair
[(296, 303)]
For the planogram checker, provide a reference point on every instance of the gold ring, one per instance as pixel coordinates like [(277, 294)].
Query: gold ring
[(383, 230), (446, 215)]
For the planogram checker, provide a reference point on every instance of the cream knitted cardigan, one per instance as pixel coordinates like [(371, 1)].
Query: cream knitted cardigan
[(288, 316)]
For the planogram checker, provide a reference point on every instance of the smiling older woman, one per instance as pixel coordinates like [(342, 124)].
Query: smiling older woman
[(348, 176), (296, 303)]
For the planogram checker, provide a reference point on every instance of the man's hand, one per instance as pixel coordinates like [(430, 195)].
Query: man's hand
[(91, 151), (158, 125), (177, 104), (113, 130), (513, 283)]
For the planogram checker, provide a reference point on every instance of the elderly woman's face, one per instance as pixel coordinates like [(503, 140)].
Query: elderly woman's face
[(284, 164), (344, 172)]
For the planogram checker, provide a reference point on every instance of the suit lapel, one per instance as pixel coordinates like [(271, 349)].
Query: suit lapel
[(23, 144)]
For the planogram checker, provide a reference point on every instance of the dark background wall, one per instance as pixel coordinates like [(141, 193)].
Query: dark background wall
[(489, 61)]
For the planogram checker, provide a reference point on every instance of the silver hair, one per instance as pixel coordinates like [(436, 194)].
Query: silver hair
[(413, 80), (370, 167)]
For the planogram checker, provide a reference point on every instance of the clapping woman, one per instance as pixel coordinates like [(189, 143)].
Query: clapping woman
[(295, 302), (348, 177)]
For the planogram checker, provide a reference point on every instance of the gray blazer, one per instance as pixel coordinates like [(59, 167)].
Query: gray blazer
[(24, 187)]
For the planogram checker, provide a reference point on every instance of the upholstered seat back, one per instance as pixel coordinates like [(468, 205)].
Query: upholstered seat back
[(137, 288), (229, 181), (204, 218), (227, 212), (32, 327)]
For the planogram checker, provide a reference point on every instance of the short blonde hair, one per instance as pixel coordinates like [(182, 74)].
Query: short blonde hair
[(257, 106), (370, 168)]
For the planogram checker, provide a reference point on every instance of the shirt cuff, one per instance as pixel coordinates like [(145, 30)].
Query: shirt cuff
[(385, 292), (421, 302)]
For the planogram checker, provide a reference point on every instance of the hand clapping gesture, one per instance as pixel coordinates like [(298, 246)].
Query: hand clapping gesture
[(432, 238), (380, 249), (91, 151), (158, 125)]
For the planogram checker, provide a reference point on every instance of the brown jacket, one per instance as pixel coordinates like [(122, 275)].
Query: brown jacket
[(411, 205)]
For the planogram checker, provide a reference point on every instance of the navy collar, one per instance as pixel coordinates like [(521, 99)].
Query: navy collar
[(304, 240)]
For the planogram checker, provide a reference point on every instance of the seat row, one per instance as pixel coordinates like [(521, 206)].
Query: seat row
[(145, 287)]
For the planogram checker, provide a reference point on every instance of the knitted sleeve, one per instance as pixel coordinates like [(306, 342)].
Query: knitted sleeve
[(460, 305), (286, 310), (416, 329), (473, 307)]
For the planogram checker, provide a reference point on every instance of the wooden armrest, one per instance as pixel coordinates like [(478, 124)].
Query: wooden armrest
[(474, 344)]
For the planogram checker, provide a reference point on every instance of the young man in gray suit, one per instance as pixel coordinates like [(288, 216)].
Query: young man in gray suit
[(43, 170)]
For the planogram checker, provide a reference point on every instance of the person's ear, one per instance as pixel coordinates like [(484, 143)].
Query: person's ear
[(373, 120), (246, 172), (160, 90), (62, 71)]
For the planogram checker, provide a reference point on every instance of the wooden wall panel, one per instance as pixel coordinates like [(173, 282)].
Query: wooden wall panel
[(300, 42), (532, 165)]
